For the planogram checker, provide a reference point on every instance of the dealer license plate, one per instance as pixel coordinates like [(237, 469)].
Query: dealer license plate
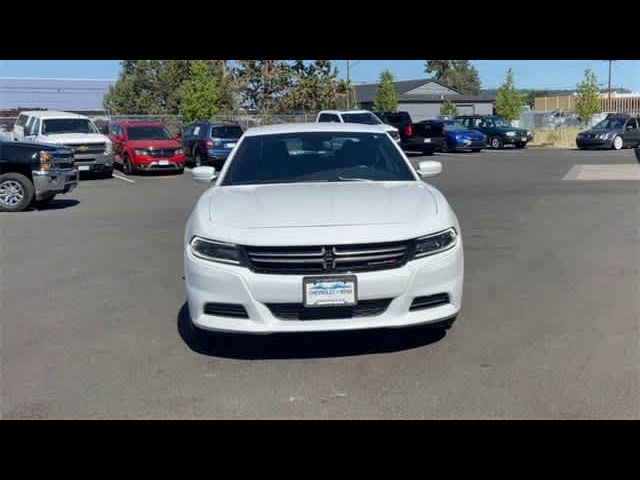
[(330, 291)]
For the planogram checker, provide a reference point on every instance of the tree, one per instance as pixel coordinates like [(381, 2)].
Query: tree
[(264, 83), (199, 95), (508, 100), (588, 100), (313, 86), (458, 74), (448, 109), (386, 98), (155, 86)]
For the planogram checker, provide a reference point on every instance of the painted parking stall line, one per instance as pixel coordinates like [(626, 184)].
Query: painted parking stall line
[(123, 178)]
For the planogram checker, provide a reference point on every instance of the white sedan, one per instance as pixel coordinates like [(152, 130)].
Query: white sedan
[(321, 227)]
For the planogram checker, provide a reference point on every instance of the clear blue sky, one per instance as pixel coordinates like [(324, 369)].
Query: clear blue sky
[(528, 73)]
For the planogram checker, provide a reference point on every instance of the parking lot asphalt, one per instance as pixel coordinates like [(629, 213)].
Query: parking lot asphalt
[(94, 318)]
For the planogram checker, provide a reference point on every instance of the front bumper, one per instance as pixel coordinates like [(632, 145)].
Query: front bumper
[(93, 162), (593, 143), (421, 143), (219, 283), (514, 140), (51, 182), (470, 144)]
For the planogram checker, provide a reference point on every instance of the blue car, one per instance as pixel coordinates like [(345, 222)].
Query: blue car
[(207, 143), (459, 137)]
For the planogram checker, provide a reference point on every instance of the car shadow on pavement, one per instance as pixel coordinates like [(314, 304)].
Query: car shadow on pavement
[(305, 345), (59, 204)]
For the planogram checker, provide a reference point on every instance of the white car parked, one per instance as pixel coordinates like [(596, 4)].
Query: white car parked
[(318, 227), (364, 117), (92, 150)]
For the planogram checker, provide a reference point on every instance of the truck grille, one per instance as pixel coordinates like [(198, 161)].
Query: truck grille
[(87, 148), (297, 311), (329, 258)]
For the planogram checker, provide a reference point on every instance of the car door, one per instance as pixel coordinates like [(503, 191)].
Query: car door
[(631, 134)]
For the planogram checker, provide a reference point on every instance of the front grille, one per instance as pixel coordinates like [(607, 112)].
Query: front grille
[(62, 160), (87, 148), (420, 303), (297, 311), (329, 258), (225, 310), (167, 152)]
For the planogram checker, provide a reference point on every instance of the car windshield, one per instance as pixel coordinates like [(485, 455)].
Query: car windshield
[(148, 133), (455, 126), (611, 124), (316, 157), (68, 125), (367, 118), (226, 132), (501, 122)]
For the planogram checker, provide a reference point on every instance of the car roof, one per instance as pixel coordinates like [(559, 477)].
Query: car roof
[(344, 111), (51, 114), (315, 127), (141, 123)]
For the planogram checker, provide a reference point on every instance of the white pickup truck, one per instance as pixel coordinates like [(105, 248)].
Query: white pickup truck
[(93, 152)]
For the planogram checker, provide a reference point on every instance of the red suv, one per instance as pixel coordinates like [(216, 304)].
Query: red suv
[(145, 146)]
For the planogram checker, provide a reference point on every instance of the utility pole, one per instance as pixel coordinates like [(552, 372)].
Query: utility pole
[(610, 80), (348, 85)]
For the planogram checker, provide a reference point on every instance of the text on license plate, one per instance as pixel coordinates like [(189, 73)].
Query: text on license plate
[(229, 145), (329, 291), (84, 168), (163, 162)]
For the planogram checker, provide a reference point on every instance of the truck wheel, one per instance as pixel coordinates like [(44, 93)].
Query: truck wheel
[(16, 192), (496, 143), (444, 148)]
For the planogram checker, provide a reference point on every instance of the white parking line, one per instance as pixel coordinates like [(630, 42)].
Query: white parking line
[(123, 178)]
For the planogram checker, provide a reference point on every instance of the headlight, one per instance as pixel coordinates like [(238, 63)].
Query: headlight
[(140, 151), (511, 134), (436, 243), (45, 161), (179, 151), (602, 136), (215, 251), (109, 148)]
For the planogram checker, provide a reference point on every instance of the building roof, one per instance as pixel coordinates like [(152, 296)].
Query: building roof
[(315, 127), (367, 93)]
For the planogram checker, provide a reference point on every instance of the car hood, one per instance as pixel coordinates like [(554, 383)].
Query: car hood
[(313, 213), (156, 144), (74, 138)]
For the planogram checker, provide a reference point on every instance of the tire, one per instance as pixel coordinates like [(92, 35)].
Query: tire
[(617, 143), (197, 160), (496, 142), (16, 192), (44, 203), (444, 148), (127, 168)]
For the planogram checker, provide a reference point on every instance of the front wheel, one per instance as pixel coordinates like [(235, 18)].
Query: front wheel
[(197, 160), (444, 148), (127, 168), (16, 192), (617, 143), (496, 142)]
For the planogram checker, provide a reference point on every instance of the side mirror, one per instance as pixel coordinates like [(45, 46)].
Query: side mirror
[(204, 174), (429, 168)]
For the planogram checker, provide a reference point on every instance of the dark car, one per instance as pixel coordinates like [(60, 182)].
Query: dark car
[(459, 137), (33, 174), (207, 143), (426, 137), (616, 131), (499, 131)]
